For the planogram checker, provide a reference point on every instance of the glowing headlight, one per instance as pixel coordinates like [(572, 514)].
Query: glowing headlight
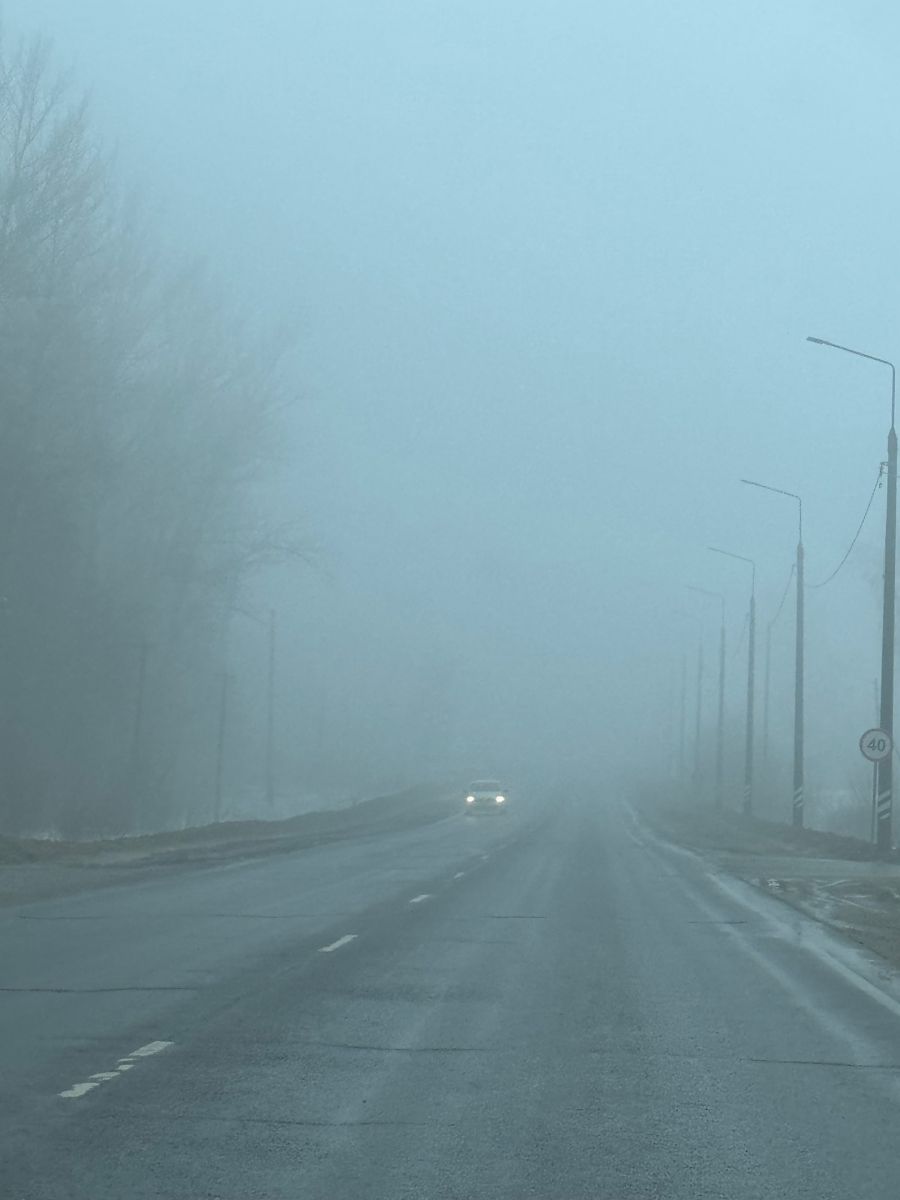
[(501, 799), (470, 799)]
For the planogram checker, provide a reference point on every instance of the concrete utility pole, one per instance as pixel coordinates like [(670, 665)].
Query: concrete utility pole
[(135, 795), (137, 729), (720, 735), (720, 723), (886, 766), (682, 724), (220, 746), (270, 715), (767, 679), (873, 831), (799, 652), (698, 719), (751, 679), (798, 790), (268, 765), (751, 692)]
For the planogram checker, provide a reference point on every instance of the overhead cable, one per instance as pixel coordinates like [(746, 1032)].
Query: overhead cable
[(787, 588), (855, 536)]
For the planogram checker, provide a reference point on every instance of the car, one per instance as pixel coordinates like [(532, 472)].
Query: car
[(486, 795)]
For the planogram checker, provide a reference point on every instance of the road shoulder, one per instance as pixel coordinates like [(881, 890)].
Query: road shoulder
[(839, 882)]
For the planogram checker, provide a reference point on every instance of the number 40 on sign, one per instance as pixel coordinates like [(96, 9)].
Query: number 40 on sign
[(875, 745)]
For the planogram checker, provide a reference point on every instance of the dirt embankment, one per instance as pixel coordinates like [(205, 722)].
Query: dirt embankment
[(37, 869), (840, 881), (732, 832)]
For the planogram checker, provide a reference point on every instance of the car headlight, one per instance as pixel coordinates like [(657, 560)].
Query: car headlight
[(501, 799), (470, 799)]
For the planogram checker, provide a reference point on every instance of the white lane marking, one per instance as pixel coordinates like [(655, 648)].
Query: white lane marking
[(124, 1064), (146, 1051), (77, 1090), (859, 968), (342, 941), (459, 875), (419, 899)]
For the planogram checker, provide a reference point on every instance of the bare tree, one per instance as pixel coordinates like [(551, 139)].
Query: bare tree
[(134, 413)]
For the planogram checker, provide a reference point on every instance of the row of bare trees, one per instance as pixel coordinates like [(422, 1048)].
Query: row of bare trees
[(134, 414)]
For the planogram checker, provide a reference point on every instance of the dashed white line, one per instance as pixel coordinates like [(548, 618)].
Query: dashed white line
[(419, 899), (146, 1051), (342, 941), (459, 875), (77, 1090)]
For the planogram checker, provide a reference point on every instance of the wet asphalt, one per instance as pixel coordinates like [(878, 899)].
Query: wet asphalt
[(550, 1005)]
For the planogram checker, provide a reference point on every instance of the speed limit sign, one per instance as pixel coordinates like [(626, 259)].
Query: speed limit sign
[(875, 745)]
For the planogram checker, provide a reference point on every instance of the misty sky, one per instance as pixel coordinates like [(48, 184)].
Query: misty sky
[(553, 264)]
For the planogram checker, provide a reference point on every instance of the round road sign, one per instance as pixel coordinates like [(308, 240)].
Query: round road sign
[(875, 745)]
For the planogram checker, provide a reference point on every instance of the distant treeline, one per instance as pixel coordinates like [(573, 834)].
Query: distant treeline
[(135, 415)]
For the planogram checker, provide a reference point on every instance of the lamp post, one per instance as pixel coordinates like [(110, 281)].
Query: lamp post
[(269, 765), (798, 794), (886, 766), (220, 747), (682, 720), (751, 669), (767, 673), (720, 724), (683, 746), (270, 715), (698, 703)]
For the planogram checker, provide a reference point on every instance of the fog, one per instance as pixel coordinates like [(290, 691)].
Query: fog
[(540, 275)]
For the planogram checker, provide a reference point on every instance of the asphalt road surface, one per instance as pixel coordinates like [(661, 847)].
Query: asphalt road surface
[(551, 1006)]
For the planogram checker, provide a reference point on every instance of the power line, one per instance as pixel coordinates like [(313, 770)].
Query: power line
[(787, 588), (855, 536)]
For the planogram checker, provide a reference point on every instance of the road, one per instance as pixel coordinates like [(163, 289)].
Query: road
[(554, 1006)]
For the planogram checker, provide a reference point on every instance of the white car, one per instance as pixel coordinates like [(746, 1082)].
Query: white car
[(486, 795)]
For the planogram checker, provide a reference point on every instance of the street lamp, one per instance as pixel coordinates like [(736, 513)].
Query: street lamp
[(885, 767), (797, 807), (269, 784), (683, 720), (698, 710), (751, 668), (720, 727)]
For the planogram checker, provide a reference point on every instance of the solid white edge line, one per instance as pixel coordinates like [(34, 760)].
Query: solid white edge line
[(864, 969), (342, 941)]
